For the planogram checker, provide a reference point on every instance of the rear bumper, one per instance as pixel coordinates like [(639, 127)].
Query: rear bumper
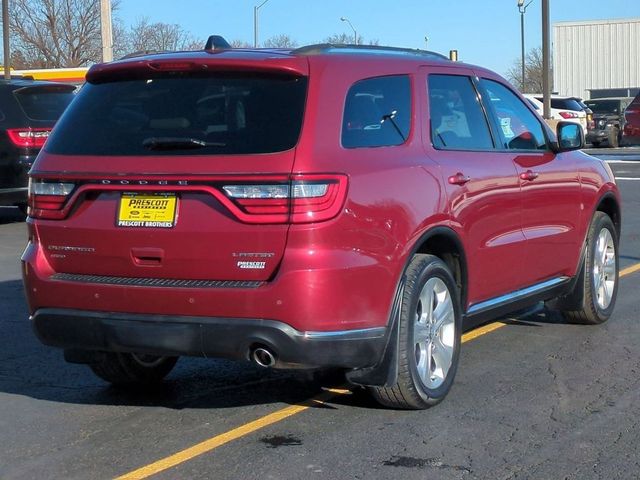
[(232, 338), (13, 196)]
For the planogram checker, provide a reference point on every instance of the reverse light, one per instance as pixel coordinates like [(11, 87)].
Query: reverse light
[(47, 199), (28, 137), (305, 199), (569, 115)]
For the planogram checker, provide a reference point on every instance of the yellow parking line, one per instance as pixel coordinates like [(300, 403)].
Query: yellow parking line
[(630, 270), (219, 440), (278, 416)]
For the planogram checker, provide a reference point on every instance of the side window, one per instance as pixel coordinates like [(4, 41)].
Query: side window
[(457, 119), (377, 112), (518, 128)]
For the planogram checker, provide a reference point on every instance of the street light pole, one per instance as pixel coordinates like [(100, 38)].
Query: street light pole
[(523, 9), (5, 39), (106, 30), (255, 23), (355, 35)]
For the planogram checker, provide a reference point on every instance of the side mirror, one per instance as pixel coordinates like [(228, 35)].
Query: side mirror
[(570, 137)]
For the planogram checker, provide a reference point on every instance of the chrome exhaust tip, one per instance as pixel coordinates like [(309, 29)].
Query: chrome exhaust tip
[(263, 357)]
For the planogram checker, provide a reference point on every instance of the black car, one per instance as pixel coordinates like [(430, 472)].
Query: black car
[(608, 119), (28, 111)]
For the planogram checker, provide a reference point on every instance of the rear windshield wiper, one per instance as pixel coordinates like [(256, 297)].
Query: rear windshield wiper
[(178, 143)]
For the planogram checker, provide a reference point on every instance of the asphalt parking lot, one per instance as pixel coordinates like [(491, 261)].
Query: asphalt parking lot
[(534, 398)]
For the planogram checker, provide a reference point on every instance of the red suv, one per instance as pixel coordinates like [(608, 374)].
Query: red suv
[(346, 207), (631, 131)]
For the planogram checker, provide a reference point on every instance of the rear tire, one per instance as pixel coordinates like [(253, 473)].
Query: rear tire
[(595, 144), (429, 337), (599, 283), (131, 369)]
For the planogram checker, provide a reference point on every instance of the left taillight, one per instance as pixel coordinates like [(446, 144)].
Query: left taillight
[(47, 199), (28, 137), (569, 115)]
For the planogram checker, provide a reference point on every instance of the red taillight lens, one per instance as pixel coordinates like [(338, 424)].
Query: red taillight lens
[(28, 137), (305, 199), (568, 114), (47, 199)]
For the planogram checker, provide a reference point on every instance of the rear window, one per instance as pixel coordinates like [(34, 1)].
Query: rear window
[(604, 106), (183, 114), (566, 104), (44, 104)]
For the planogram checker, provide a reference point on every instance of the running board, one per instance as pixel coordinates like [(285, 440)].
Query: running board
[(517, 300)]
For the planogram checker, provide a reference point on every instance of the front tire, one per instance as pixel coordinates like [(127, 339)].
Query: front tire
[(599, 279), (429, 337), (132, 369)]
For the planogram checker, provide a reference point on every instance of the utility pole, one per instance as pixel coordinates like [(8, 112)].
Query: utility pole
[(546, 55), (5, 39), (255, 23), (105, 28)]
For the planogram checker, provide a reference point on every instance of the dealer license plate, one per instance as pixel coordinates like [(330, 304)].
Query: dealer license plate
[(150, 210)]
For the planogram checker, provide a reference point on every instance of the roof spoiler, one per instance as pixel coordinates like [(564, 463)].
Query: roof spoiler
[(217, 42)]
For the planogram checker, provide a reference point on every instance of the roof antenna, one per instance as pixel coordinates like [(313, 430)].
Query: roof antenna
[(216, 42)]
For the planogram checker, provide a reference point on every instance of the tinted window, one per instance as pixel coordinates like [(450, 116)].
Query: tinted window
[(377, 112), (604, 106), (517, 126), (564, 104), (44, 103), (184, 115), (457, 119)]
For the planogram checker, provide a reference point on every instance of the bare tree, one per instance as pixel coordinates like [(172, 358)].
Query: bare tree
[(56, 33), (240, 44), (533, 72), (280, 41), (158, 36), (346, 39)]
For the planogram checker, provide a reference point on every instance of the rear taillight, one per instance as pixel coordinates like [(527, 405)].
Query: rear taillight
[(569, 115), (47, 199), (305, 199), (28, 137)]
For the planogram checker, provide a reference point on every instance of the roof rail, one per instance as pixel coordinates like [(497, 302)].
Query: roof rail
[(321, 48), (217, 42)]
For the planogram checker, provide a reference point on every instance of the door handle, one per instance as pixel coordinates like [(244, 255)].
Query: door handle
[(529, 175), (459, 179)]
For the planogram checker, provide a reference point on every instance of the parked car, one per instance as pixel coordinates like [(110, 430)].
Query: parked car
[(609, 120), (324, 207), (28, 111), (566, 109), (631, 130)]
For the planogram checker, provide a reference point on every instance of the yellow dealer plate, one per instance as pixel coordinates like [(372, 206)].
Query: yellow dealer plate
[(151, 210)]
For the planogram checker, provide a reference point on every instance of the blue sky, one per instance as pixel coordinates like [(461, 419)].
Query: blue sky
[(485, 32)]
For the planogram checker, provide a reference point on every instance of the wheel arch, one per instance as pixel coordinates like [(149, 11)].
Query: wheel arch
[(609, 204), (444, 243)]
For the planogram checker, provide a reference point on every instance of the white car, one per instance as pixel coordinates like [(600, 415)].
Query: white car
[(562, 108)]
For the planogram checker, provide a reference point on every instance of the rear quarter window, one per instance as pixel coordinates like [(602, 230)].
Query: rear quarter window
[(184, 114), (377, 112)]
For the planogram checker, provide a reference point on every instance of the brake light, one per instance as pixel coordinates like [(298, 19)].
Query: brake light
[(569, 115), (47, 199), (28, 137), (305, 199)]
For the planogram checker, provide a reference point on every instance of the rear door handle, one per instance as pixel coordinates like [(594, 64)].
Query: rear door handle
[(529, 175), (459, 179)]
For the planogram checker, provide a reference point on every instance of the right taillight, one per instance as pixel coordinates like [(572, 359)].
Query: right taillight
[(305, 199), (47, 199)]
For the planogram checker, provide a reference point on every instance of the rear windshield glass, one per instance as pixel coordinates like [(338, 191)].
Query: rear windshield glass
[(604, 106), (223, 113), (44, 104), (566, 104)]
